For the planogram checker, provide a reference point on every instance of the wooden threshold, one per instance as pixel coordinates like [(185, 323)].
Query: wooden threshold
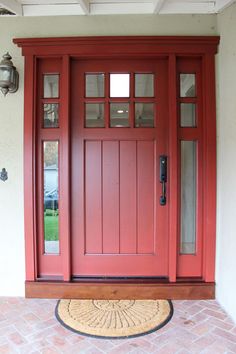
[(116, 291)]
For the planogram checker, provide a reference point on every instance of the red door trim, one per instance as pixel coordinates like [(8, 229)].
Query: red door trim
[(209, 148), (29, 170), (173, 171), (64, 226), (116, 47)]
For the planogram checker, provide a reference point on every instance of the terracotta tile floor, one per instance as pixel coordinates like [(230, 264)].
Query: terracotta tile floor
[(29, 326)]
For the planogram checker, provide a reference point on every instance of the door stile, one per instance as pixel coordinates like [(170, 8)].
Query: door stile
[(173, 169), (65, 170), (29, 169), (209, 185)]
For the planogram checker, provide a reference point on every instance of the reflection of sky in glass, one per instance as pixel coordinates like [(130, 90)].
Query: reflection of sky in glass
[(119, 85)]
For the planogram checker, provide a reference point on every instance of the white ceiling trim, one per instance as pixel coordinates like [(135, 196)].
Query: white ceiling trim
[(121, 8), (108, 7), (52, 10), (183, 7), (12, 5)]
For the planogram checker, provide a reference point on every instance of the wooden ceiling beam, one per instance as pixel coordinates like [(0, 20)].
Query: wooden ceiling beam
[(222, 4), (157, 6), (85, 6)]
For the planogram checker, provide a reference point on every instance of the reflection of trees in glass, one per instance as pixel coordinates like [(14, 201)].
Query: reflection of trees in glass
[(51, 153)]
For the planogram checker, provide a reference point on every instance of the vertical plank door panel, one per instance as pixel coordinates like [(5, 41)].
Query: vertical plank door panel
[(146, 192), (110, 188), (128, 218), (93, 197)]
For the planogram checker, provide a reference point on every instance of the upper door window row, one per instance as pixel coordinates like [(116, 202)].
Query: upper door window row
[(119, 85)]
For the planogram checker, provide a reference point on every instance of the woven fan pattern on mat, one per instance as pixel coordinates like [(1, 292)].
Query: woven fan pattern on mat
[(114, 318)]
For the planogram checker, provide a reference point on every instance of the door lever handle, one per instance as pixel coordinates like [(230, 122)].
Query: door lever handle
[(163, 178)]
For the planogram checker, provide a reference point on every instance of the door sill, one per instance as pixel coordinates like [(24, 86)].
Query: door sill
[(195, 290), (123, 280)]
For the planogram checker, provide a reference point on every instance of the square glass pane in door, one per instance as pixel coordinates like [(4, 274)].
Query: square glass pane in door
[(94, 85), (51, 117), (119, 115), (94, 115), (187, 115), (187, 85), (144, 85), (119, 85), (144, 115), (51, 86)]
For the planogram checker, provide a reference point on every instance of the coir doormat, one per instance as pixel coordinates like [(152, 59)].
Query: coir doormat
[(114, 318)]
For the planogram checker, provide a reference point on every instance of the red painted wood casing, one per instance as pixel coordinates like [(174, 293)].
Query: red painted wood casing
[(178, 53)]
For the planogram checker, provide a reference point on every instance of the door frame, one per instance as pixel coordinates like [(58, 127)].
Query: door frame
[(172, 47)]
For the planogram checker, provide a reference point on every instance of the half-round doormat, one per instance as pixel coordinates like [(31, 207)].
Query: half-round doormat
[(114, 318)]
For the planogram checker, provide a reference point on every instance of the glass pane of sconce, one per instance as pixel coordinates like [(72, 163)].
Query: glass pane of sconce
[(119, 85), (188, 197), (94, 85), (51, 200), (51, 117), (94, 115), (187, 85), (5, 74), (51, 86), (119, 115), (144, 85), (144, 115), (188, 115)]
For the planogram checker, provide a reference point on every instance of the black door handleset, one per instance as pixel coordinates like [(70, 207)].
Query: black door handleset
[(163, 178)]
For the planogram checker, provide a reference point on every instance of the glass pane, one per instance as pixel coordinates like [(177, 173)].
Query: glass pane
[(51, 210), (119, 115), (188, 115), (51, 86), (144, 85), (94, 85), (94, 115), (187, 85), (50, 119), (119, 85), (188, 197), (5, 74), (144, 115)]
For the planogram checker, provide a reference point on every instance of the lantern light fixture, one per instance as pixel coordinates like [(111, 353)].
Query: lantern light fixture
[(9, 77)]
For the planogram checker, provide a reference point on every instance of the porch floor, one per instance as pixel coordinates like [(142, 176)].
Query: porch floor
[(29, 326)]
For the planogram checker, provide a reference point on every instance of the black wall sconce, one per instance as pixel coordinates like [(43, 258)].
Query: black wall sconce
[(9, 77), (3, 175)]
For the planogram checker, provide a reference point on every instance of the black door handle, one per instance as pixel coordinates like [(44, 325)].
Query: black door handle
[(163, 178)]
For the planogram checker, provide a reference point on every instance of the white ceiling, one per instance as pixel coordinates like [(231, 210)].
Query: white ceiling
[(96, 7)]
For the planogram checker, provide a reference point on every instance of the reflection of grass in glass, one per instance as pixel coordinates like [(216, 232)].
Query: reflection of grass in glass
[(51, 225)]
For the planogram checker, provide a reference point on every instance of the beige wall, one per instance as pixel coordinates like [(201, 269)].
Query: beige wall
[(226, 135), (11, 111)]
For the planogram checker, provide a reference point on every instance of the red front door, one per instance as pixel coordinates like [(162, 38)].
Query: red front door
[(119, 129)]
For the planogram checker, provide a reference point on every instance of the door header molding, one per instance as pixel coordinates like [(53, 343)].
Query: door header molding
[(119, 45)]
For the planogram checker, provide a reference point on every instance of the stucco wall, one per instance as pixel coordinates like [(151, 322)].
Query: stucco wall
[(11, 115), (226, 127)]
